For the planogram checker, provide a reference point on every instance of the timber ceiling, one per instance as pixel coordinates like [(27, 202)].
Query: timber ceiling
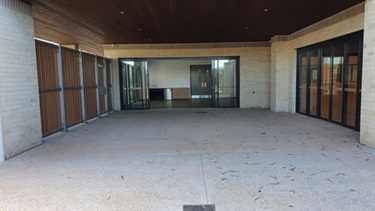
[(176, 21)]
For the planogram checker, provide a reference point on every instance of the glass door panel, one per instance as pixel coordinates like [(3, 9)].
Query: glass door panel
[(224, 72), (313, 82), (329, 80), (325, 82), (124, 87), (337, 85), (135, 85), (350, 90), (302, 79)]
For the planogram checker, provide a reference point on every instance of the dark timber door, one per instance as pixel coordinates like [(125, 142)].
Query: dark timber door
[(201, 81)]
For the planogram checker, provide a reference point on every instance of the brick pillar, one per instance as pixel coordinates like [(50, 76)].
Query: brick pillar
[(19, 94), (279, 74), (367, 134)]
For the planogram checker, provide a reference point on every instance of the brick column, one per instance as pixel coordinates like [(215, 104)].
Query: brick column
[(19, 94), (279, 74), (367, 134)]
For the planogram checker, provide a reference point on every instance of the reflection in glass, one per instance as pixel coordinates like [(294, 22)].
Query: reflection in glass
[(338, 62), (135, 84), (350, 90), (302, 82), (338, 76), (225, 83), (313, 81), (325, 82)]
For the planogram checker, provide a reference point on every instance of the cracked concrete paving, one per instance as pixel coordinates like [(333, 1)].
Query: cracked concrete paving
[(237, 159)]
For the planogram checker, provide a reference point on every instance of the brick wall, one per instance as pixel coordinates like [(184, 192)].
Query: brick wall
[(284, 52), (368, 77), (279, 76), (341, 28), (255, 65), (19, 97)]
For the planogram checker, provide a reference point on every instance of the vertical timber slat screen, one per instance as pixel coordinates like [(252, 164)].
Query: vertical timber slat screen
[(101, 84), (49, 88), (50, 93), (72, 86), (109, 84), (89, 85)]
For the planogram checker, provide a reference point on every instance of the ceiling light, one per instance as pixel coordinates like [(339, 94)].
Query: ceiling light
[(139, 29), (122, 12), (246, 27), (266, 10)]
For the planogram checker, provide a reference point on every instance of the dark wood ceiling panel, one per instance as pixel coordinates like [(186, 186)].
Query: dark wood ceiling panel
[(176, 21)]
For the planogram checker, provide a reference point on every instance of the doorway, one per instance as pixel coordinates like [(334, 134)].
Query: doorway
[(225, 74), (134, 85), (179, 83), (200, 81), (329, 80)]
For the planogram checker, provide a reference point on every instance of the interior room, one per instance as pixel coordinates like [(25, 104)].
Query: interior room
[(179, 83)]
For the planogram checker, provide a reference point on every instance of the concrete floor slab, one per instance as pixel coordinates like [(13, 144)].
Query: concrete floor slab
[(237, 159)]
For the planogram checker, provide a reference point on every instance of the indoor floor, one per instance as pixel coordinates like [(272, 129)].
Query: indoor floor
[(237, 159), (195, 103)]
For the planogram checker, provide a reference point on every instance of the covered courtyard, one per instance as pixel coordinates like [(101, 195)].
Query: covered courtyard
[(236, 159)]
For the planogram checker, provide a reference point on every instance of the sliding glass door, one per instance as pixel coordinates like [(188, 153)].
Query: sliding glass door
[(220, 83), (352, 89), (135, 85), (329, 85), (225, 82)]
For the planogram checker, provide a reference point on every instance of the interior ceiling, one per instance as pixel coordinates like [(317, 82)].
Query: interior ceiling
[(176, 21)]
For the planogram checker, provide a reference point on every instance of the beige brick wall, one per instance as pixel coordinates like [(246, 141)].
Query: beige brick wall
[(19, 96), (255, 64), (341, 28), (279, 76), (284, 53), (368, 77)]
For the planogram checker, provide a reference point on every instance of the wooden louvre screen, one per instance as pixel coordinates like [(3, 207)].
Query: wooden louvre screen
[(72, 86), (75, 89), (109, 84), (90, 86), (49, 87), (101, 84)]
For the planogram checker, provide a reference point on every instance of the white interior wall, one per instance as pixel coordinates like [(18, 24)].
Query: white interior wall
[(172, 73)]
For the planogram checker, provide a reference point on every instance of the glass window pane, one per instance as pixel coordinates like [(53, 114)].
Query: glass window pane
[(351, 76), (225, 83), (135, 85), (313, 81), (337, 85), (302, 69), (325, 81)]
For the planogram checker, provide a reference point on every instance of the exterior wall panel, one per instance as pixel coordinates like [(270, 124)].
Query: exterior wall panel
[(72, 86), (90, 85), (19, 98)]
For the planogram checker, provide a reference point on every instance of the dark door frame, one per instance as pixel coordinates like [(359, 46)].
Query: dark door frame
[(331, 44), (237, 58)]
